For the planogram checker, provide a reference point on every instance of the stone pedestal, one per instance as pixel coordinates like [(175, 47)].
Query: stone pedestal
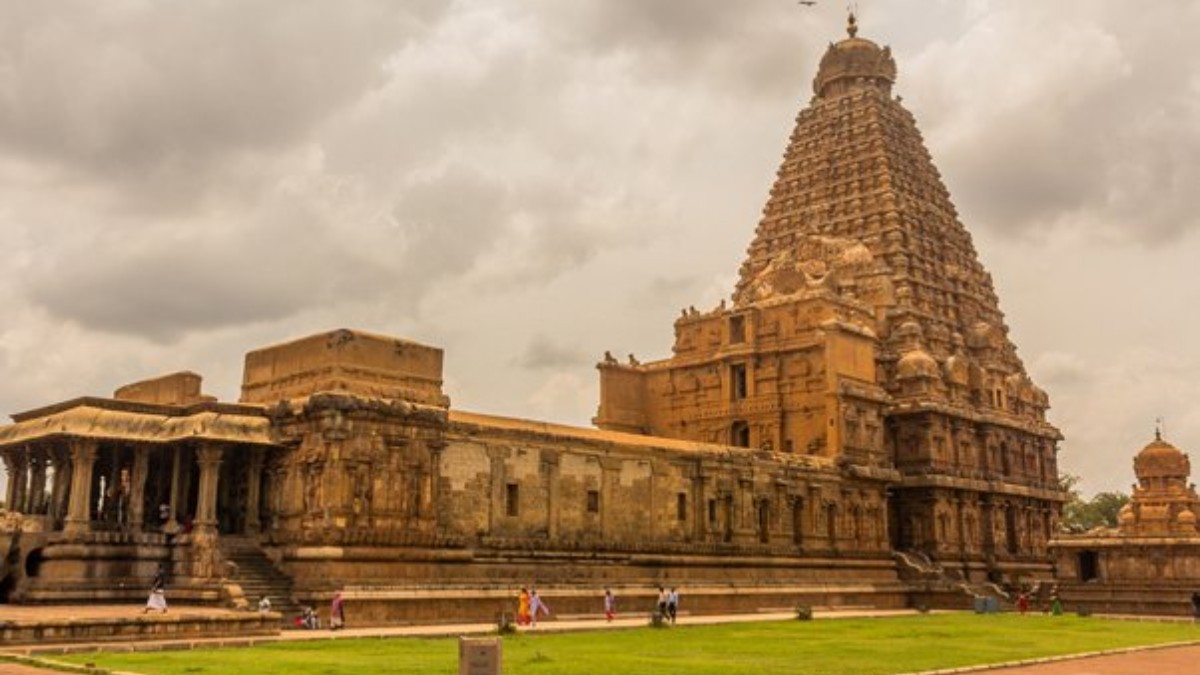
[(479, 656)]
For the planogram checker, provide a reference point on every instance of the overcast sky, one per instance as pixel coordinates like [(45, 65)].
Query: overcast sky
[(527, 183)]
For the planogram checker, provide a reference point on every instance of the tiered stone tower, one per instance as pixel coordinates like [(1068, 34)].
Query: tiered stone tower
[(863, 329), (1164, 503)]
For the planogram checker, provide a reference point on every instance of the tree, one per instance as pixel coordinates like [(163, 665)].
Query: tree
[(1080, 515)]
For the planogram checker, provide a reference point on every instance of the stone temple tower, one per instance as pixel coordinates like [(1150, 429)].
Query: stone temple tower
[(864, 330)]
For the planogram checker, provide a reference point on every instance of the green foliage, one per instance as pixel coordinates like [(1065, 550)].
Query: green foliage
[(1080, 515), (803, 613), (830, 647)]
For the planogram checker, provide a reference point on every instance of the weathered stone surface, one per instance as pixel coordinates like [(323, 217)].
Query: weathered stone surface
[(480, 656), (175, 389), (345, 361)]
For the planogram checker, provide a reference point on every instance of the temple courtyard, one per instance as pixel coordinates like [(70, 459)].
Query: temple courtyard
[(841, 641)]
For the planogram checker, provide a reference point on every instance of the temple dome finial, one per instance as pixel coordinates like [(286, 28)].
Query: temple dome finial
[(854, 63)]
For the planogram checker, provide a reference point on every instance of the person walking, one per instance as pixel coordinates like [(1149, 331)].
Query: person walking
[(337, 612), (661, 607), (536, 605), (1023, 603), (610, 605), (158, 592), (523, 607), (673, 604)]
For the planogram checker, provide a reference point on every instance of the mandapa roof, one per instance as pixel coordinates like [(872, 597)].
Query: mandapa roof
[(110, 419)]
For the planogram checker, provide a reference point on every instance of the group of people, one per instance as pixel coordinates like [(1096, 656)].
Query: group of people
[(1052, 605), (530, 605), (668, 604)]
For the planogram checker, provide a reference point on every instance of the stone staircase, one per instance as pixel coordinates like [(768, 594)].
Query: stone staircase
[(918, 568), (258, 577)]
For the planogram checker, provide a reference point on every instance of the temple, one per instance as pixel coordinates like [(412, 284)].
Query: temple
[(1150, 564), (856, 410), (865, 334)]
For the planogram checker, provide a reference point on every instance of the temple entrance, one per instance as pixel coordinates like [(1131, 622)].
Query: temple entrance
[(1089, 565), (232, 491)]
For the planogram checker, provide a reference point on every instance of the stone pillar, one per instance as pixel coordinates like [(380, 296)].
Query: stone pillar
[(172, 524), (83, 459), (10, 469), (21, 477), (254, 471), (37, 481), (62, 481), (208, 457), (137, 487)]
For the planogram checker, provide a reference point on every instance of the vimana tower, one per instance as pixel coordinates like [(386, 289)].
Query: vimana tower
[(863, 329)]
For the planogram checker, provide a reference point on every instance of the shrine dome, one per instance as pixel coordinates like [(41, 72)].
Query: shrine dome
[(917, 364), (1160, 459), (854, 62)]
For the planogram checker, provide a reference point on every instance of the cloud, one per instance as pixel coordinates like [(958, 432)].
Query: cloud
[(543, 353), (158, 103), (1094, 132)]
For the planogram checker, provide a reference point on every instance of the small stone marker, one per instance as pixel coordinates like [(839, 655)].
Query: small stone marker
[(479, 656)]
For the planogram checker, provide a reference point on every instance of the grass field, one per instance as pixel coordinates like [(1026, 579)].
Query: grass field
[(833, 647)]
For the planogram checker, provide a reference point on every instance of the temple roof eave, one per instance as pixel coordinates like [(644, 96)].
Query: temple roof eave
[(106, 423)]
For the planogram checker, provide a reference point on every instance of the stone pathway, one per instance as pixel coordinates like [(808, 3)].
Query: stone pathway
[(1172, 661)]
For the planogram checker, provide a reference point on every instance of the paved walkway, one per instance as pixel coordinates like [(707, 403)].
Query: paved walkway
[(1173, 661), (87, 612)]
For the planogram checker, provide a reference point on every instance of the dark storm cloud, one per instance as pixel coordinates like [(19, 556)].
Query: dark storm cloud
[(157, 99)]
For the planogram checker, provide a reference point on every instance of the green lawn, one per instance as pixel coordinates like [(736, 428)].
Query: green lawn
[(834, 647)]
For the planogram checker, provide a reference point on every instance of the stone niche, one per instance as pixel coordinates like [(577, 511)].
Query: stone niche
[(372, 366)]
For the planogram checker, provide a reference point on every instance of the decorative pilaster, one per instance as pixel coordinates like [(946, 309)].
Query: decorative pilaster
[(83, 459)]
